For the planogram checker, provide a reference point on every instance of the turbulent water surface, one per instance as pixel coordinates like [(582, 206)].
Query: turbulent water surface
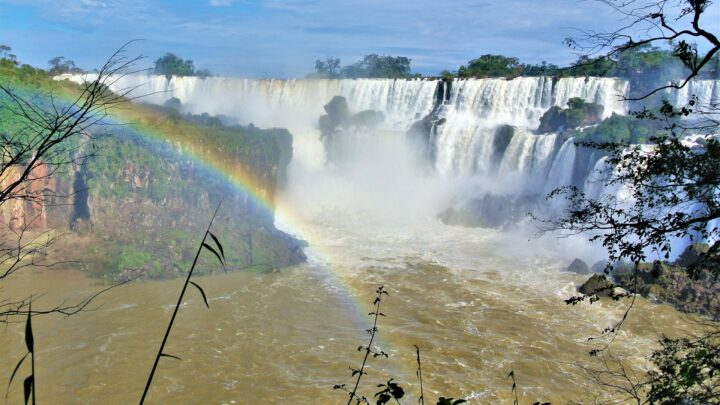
[(464, 297), (478, 302)]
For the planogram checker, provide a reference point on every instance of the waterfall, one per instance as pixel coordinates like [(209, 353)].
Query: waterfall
[(482, 130), (706, 91), (473, 111)]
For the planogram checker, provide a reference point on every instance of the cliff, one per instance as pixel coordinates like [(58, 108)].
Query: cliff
[(144, 190)]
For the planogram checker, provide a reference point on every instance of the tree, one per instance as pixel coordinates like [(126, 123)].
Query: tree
[(60, 65), (171, 65), (6, 53), (378, 66), (327, 69), (490, 66), (203, 73), (46, 139), (656, 22), (673, 186)]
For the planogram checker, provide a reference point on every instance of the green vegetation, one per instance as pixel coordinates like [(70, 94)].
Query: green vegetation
[(172, 65), (579, 113), (371, 66), (60, 65), (140, 176), (6, 53), (491, 66), (669, 194), (583, 121), (646, 67), (142, 190), (619, 129)]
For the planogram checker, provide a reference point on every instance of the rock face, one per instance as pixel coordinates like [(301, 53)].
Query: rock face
[(578, 114), (33, 197), (141, 204), (668, 282), (597, 284), (489, 211), (424, 131), (338, 124), (578, 266)]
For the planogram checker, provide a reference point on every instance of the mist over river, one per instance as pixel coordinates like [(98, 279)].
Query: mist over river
[(478, 301)]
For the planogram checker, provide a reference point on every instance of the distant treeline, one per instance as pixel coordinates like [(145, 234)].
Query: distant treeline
[(371, 66), (645, 67), (168, 65)]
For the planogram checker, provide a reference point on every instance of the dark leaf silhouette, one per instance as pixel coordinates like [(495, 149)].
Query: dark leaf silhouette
[(383, 399), (170, 355), (160, 352), (29, 340), (219, 245), (201, 292), (210, 248), (12, 376), (28, 387)]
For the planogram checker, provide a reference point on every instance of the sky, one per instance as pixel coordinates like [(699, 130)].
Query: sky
[(283, 38)]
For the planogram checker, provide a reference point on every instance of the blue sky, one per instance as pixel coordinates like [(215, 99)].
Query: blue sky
[(283, 38)]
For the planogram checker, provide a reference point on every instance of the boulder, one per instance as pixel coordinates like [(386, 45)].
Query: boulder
[(578, 266), (337, 108), (578, 114), (367, 119), (597, 284), (489, 211)]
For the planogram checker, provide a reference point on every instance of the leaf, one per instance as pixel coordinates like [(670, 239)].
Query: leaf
[(208, 247), (28, 387), (201, 292), (170, 355), (219, 245), (395, 390), (29, 341), (15, 372), (383, 399)]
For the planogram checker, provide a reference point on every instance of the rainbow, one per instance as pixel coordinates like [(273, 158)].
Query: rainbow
[(233, 174)]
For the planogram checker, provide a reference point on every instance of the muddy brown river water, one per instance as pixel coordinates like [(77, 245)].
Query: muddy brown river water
[(475, 307)]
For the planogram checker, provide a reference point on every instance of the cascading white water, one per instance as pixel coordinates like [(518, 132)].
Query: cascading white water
[(706, 91), (465, 145), (477, 107)]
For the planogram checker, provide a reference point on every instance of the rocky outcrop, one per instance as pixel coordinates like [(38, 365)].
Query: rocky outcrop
[(578, 114), (367, 119), (338, 124), (598, 285), (671, 283), (141, 203), (668, 282), (489, 211), (424, 131), (28, 208), (578, 266)]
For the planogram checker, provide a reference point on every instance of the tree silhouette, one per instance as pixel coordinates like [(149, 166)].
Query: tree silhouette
[(672, 187)]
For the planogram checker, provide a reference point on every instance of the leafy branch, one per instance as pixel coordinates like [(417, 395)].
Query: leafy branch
[(220, 255)]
